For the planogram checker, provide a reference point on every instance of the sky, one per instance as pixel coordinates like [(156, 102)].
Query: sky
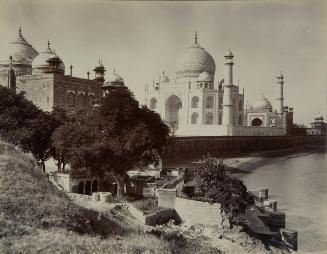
[(140, 39)]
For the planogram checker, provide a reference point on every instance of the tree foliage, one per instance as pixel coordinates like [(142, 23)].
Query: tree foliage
[(213, 182), (16, 115), (116, 137), (23, 124)]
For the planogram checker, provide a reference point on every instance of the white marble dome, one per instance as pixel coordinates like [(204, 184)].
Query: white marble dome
[(263, 103), (42, 62), (194, 61), (113, 79), (21, 51), (205, 77)]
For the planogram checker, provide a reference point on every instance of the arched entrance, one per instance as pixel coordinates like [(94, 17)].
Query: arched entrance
[(194, 117), (173, 110), (88, 188), (209, 118), (80, 188), (256, 122), (153, 103), (95, 186)]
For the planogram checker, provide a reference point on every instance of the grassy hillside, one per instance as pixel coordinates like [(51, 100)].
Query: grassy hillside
[(35, 217)]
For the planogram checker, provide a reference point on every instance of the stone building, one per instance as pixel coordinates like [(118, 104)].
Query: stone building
[(318, 127), (195, 105), (42, 77)]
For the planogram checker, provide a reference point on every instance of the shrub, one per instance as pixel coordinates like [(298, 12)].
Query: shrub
[(213, 182), (147, 205)]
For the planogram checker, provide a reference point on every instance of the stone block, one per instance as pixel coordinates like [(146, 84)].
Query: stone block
[(289, 237), (96, 196), (105, 196)]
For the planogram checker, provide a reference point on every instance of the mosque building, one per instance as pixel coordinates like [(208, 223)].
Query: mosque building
[(193, 104), (42, 77)]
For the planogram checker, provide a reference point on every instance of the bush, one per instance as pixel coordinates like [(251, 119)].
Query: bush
[(212, 182), (147, 205)]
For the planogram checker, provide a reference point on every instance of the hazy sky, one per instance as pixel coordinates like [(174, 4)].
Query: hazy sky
[(140, 39)]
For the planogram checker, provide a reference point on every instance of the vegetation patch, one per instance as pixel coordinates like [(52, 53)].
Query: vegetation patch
[(147, 205)]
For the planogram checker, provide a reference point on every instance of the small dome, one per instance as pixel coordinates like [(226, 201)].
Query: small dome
[(55, 59), (21, 51), (164, 78), (41, 61), (194, 61), (113, 79), (44, 59), (100, 66), (205, 77), (263, 103)]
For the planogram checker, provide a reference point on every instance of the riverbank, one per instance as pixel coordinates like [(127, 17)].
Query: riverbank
[(243, 164)]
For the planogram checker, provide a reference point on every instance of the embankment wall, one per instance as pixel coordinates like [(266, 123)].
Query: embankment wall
[(237, 145)]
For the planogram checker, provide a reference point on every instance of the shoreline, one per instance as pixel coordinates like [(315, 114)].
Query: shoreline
[(243, 164)]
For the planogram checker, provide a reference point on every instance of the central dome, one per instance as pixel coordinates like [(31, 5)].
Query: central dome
[(194, 61), (263, 104)]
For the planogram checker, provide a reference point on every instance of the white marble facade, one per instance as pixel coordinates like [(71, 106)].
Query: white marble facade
[(194, 104)]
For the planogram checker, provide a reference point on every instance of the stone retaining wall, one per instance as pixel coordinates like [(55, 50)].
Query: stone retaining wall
[(236, 145)]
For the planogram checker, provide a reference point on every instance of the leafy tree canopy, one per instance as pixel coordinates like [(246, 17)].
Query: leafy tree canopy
[(213, 182), (16, 114), (117, 136)]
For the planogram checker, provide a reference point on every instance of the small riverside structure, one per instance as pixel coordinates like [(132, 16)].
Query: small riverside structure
[(76, 182)]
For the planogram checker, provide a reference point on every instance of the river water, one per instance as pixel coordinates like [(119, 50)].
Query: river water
[(299, 184)]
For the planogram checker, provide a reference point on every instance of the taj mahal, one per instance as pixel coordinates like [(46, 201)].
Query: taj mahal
[(193, 104)]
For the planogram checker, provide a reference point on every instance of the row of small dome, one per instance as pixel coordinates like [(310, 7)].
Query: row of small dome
[(203, 77), (23, 53)]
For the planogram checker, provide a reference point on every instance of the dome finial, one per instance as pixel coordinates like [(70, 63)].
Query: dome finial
[(196, 37), (20, 30), (48, 44), (163, 72)]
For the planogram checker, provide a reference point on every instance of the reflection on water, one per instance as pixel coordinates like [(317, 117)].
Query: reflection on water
[(300, 186)]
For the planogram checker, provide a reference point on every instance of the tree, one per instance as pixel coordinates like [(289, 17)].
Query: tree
[(16, 115), (213, 182), (118, 136), (36, 138)]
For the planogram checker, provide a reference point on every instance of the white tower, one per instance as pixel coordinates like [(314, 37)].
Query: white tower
[(228, 117), (280, 101), (280, 92)]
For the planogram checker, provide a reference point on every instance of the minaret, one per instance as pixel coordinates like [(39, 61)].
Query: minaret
[(228, 117), (71, 70), (280, 92), (280, 101), (11, 77)]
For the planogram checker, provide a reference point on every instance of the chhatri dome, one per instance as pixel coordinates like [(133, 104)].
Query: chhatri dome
[(42, 62), (21, 51), (205, 77), (114, 80), (164, 78), (194, 61), (263, 103)]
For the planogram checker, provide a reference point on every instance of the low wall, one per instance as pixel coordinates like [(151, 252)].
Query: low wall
[(191, 212), (197, 212), (236, 145)]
